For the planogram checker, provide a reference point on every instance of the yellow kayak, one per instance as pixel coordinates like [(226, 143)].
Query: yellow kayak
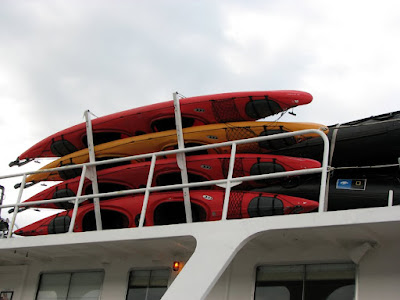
[(194, 136)]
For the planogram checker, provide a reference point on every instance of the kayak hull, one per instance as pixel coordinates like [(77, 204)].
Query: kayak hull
[(348, 189), (200, 135), (167, 208), (200, 110), (365, 142), (167, 172)]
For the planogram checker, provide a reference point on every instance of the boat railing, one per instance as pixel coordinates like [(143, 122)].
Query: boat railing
[(89, 167)]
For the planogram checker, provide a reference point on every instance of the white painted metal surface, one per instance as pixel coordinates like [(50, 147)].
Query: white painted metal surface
[(91, 170), (208, 249), (76, 200), (181, 158), (16, 207), (147, 192), (228, 181)]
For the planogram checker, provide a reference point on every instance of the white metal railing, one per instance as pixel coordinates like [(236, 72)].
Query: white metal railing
[(181, 160), (228, 181), (89, 171), (92, 173)]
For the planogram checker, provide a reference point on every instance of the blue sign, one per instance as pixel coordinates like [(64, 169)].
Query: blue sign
[(351, 184)]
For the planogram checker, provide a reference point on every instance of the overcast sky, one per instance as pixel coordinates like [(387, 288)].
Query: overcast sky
[(59, 58)]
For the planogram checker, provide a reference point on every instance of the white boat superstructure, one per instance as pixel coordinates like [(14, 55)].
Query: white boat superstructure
[(219, 259), (350, 254)]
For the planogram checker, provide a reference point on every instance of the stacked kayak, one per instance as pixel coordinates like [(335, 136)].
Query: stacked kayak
[(365, 142), (347, 189), (194, 136), (206, 120), (167, 208), (365, 156), (195, 111), (200, 168)]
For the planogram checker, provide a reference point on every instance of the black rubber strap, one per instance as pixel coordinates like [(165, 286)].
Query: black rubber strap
[(254, 107), (269, 104)]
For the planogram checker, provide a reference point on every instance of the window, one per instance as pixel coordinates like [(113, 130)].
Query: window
[(6, 295), (147, 284), (306, 282), (70, 286)]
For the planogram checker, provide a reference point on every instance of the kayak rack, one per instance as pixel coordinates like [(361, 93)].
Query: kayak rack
[(89, 171)]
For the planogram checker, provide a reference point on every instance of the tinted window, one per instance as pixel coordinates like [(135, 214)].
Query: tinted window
[(306, 282), (147, 284), (69, 286)]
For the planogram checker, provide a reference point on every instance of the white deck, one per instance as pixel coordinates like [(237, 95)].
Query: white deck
[(220, 257)]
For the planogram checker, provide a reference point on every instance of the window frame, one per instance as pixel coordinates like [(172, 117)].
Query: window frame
[(71, 272), (304, 274), (147, 269)]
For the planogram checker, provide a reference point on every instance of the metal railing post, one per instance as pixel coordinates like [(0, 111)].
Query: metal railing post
[(92, 170), (390, 198), (181, 159), (76, 202), (228, 183), (1, 197), (323, 202), (147, 192), (16, 207)]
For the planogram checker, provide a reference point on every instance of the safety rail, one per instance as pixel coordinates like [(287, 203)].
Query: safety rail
[(228, 181)]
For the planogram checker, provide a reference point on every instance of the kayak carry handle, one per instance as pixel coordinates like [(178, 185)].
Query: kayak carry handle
[(28, 184), (21, 209), (20, 163)]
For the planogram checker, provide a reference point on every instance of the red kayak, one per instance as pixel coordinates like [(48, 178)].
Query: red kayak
[(167, 172), (167, 208), (201, 110)]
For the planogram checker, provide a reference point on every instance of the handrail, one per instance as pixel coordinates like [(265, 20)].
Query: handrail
[(174, 151), (174, 186), (228, 181)]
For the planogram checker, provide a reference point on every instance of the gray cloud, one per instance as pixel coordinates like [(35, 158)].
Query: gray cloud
[(59, 58)]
